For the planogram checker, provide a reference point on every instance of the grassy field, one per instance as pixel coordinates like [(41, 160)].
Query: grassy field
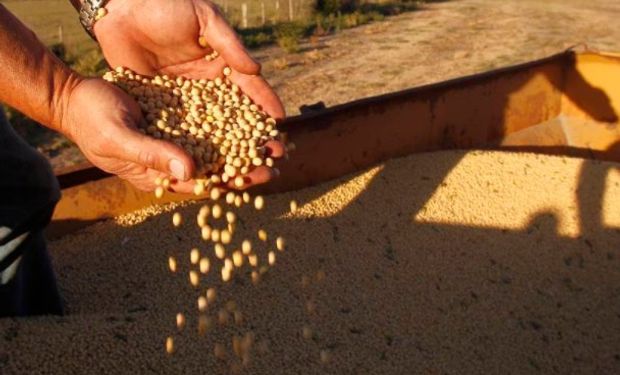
[(46, 17), (275, 11)]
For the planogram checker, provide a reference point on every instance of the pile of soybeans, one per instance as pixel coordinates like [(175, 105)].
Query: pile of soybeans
[(216, 123), (449, 262)]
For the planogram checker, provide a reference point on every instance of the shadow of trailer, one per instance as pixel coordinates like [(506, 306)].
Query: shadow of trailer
[(566, 104)]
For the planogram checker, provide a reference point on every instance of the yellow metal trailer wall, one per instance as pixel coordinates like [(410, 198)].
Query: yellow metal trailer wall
[(564, 104)]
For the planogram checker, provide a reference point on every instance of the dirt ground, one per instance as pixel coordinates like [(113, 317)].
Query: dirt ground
[(441, 41)]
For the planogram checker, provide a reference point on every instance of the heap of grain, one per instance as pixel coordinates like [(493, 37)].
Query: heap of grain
[(431, 262)]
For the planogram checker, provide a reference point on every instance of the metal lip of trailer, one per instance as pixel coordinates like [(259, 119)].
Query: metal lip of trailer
[(566, 104)]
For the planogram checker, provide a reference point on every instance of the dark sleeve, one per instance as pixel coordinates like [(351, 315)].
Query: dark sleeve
[(28, 194)]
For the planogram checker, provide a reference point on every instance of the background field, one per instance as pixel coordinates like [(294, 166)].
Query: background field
[(47, 16), (438, 41)]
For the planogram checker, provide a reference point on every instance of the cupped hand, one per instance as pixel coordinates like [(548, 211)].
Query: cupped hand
[(102, 120), (162, 37)]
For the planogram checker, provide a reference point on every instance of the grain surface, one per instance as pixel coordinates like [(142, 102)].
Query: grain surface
[(450, 262)]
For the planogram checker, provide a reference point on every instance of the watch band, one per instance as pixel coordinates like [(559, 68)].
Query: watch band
[(90, 12)]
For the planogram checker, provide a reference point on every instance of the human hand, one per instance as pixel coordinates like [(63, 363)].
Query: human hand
[(161, 37), (102, 120)]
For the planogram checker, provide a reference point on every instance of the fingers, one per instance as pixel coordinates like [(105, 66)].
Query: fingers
[(176, 186), (144, 179), (257, 176), (261, 93), (222, 38), (183, 187), (155, 154), (275, 149)]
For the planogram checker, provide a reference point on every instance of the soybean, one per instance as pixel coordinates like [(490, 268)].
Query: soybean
[(177, 219)]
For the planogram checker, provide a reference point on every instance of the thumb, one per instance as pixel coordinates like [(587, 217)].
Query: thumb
[(163, 156), (223, 39)]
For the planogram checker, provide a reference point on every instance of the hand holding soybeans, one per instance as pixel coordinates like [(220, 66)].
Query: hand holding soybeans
[(187, 38)]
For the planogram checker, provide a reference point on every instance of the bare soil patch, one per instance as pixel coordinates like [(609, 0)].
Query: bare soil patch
[(441, 41)]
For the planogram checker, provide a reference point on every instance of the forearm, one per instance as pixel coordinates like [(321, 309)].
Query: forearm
[(32, 79)]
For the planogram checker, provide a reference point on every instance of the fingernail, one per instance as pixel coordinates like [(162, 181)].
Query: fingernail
[(177, 169)]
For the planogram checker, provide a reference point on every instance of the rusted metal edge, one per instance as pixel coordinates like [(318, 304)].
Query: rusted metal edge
[(86, 172)]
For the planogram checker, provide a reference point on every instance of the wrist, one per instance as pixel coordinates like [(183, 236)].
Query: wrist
[(61, 103)]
